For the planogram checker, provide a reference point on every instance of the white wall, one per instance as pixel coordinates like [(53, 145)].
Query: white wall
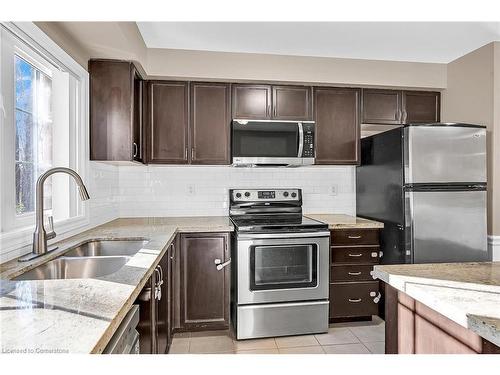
[(203, 191)]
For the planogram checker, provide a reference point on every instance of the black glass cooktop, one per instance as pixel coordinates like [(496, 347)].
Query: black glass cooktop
[(272, 223)]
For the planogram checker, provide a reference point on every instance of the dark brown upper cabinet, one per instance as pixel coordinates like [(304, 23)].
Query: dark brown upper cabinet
[(291, 103), (210, 123), (382, 107), (204, 289), (421, 107), (116, 113), (168, 122), (252, 102), (395, 107), (336, 112), (261, 102)]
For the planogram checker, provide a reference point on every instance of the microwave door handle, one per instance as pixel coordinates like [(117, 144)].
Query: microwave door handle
[(301, 140)]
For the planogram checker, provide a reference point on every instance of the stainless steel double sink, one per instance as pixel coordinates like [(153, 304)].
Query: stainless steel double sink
[(93, 258)]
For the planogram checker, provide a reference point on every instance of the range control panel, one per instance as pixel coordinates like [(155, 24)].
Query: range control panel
[(265, 195)]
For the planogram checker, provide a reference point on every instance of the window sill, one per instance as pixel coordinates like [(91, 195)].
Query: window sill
[(17, 242)]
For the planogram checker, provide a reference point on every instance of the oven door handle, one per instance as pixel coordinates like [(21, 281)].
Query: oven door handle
[(301, 140), (255, 236)]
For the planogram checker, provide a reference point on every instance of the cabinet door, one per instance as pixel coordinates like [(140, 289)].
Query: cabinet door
[(251, 102), (204, 289), (148, 315), (337, 125), (168, 136), (137, 119), (291, 103), (381, 107), (210, 123), (421, 107), (111, 95)]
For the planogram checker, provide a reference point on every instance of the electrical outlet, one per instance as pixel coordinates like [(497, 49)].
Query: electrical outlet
[(191, 190), (333, 190)]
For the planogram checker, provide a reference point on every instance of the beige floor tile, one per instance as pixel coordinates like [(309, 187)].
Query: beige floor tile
[(182, 334), (179, 347), (255, 344), (302, 350), (369, 333), (337, 336), (376, 347), (211, 333), (258, 351), (216, 344), (346, 349), (295, 341)]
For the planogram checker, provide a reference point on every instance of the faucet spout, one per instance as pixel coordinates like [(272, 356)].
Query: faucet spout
[(40, 235)]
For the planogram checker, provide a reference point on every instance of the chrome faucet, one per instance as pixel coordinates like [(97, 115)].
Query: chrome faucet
[(40, 236)]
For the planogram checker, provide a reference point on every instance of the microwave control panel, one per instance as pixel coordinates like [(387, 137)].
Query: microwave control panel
[(308, 151)]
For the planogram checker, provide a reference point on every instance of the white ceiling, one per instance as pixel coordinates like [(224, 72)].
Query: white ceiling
[(435, 42)]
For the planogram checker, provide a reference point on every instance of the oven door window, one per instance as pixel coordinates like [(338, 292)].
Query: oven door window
[(264, 139), (283, 267)]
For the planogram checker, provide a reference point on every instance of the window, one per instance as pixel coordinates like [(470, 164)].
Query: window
[(33, 117), (43, 124)]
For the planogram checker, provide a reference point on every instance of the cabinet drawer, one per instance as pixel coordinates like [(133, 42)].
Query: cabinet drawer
[(351, 273), (353, 299), (355, 254), (355, 237)]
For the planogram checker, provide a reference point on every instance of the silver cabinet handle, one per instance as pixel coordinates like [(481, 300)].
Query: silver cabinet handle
[(354, 237), (377, 298), (186, 153), (405, 116), (355, 255), (354, 300), (354, 273), (173, 251), (157, 286), (136, 149), (221, 265), (268, 112), (193, 153)]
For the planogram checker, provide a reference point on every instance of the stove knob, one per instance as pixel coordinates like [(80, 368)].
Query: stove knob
[(294, 195), (238, 195), (285, 194), (247, 194)]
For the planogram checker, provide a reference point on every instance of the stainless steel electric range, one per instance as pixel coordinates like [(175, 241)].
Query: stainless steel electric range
[(282, 262)]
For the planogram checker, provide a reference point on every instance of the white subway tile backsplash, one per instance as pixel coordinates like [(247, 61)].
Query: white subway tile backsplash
[(200, 191)]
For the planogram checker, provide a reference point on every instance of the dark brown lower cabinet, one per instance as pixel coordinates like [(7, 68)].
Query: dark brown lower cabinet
[(413, 328), (204, 289)]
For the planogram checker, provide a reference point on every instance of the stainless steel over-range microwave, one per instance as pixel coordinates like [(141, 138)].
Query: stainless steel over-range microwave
[(272, 142)]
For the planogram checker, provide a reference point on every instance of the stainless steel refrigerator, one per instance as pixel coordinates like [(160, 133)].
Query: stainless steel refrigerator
[(427, 184)]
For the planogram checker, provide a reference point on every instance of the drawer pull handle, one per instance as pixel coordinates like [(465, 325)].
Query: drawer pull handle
[(354, 273), (354, 300), (355, 255), (354, 237)]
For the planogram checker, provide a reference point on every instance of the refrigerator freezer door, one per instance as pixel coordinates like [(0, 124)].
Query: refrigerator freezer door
[(444, 154), (446, 226)]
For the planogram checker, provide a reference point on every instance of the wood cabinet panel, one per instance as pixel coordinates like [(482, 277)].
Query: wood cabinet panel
[(210, 123), (421, 107), (336, 112), (204, 289), (111, 110), (291, 103), (355, 237), (353, 299), (251, 102), (168, 128), (381, 107)]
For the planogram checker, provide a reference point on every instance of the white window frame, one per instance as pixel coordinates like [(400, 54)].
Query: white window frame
[(13, 240)]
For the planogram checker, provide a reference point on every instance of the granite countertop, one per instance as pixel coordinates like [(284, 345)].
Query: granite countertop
[(81, 315), (467, 293), (341, 221)]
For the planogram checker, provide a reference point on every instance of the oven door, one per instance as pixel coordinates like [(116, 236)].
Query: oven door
[(267, 142), (282, 267)]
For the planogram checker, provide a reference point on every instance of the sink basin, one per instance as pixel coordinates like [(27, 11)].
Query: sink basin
[(75, 268), (99, 248)]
